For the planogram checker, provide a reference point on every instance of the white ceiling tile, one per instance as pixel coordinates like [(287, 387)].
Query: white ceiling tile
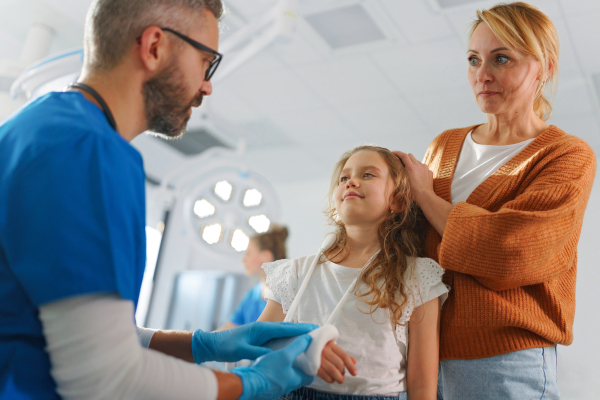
[(580, 6), (417, 20), (11, 47), (585, 31), (584, 126), (345, 81), (572, 98), (440, 65), (250, 9), (275, 91), (448, 109), (298, 51), (261, 62), (226, 101), (315, 127), (381, 121), (76, 10)]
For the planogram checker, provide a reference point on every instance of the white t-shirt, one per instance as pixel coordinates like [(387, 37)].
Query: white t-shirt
[(478, 161), (379, 346)]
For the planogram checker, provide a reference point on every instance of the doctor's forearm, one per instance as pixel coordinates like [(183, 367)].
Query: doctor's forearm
[(174, 343)]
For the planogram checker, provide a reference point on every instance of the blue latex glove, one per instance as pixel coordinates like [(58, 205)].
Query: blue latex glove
[(273, 375), (244, 342)]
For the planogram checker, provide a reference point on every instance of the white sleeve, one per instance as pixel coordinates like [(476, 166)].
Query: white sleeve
[(282, 280), (144, 336), (429, 274), (95, 354)]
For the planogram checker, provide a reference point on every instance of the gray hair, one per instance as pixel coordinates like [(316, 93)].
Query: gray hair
[(113, 25)]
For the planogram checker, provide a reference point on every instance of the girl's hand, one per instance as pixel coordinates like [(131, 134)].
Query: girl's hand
[(419, 175), (334, 362)]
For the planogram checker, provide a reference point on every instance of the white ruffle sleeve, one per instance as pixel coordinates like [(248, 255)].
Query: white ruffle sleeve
[(282, 280), (424, 283)]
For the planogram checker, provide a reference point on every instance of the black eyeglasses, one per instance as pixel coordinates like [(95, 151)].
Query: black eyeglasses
[(213, 64)]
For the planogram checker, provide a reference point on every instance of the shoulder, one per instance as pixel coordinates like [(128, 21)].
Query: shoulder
[(445, 139), (425, 269), (297, 265), (67, 128), (570, 143)]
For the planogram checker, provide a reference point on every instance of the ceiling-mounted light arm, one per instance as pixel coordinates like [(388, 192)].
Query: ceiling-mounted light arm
[(277, 24)]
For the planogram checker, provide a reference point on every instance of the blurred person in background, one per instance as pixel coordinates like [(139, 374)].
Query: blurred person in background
[(263, 248)]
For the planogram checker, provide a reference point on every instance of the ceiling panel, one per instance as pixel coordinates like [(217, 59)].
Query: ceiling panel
[(440, 65), (448, 109), (316, 127), (572, 98), (346, 80), (274, 91), (381, 121), (417, 20), (76, 10), (11, 47), (298, 51), (226, 101), (584, 34)]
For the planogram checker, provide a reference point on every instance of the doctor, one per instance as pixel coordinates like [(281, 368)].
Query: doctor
[(72, 241)]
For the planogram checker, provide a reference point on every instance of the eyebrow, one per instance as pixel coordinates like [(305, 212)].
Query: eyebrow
[(493, 51), (363, 168)]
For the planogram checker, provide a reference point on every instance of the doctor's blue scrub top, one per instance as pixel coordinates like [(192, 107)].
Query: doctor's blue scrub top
[(72, 222), (251, 306)]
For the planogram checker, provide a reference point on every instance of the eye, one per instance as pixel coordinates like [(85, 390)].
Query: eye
[(502, 60), (343, 179), (368, 175), (472, 61)]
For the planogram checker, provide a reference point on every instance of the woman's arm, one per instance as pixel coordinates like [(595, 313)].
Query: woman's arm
[(273, 312), (528, 240), (423, 351)]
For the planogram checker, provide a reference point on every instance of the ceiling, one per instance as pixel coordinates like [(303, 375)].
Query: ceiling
[(301, 104)]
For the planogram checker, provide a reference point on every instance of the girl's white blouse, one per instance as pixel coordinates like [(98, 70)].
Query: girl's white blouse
[(379, 346)]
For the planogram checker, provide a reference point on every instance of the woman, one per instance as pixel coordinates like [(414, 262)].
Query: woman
[(263, 248), (505, 201)]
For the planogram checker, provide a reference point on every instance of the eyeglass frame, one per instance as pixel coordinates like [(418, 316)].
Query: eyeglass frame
[(213, 64)]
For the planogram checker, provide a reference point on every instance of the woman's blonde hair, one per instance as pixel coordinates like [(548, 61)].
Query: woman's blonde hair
[(399, 236), (525, 28)]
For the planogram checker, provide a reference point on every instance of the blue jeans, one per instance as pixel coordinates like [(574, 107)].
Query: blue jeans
[(305, 393), (523, 375)]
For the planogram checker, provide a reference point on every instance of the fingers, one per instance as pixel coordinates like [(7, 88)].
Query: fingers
[(330, 373), (348, 362), (254, 352)]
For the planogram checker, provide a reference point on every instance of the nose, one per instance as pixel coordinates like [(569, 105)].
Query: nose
[(352, 183), (206, 88), (484, 74)]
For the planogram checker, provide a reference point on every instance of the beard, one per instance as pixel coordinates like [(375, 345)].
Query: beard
[(165, 102)]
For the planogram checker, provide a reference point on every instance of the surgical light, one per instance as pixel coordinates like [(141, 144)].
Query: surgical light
[(203, 208), (239, 240), (252, 198), (223, 189), (212, 233), (260, 223)]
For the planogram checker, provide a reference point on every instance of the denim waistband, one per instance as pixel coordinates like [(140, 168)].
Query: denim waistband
[(306, 393)]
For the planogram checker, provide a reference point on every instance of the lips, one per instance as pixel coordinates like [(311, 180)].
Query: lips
[(487, 93), (352, 195)]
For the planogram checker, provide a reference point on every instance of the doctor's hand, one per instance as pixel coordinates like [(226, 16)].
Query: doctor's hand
[(273, 374), (334, 361), (243, 342)]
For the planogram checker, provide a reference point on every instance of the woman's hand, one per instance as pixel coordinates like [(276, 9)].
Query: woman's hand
[(420, 176), (334, 362)]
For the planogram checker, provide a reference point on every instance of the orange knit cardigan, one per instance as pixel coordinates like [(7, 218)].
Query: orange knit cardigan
[(510, 250)]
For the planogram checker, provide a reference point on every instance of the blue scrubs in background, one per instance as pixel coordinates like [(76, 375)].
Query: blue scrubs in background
[(251, 306), (72, 222)]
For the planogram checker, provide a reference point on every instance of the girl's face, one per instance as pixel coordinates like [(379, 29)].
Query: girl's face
[(364, 188), (254, 258)]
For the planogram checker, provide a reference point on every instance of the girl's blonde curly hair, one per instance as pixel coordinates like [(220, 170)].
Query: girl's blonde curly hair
[(400, 237)]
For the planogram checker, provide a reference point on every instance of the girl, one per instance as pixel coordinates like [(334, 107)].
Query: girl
[(376, 223), (262, 248)]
